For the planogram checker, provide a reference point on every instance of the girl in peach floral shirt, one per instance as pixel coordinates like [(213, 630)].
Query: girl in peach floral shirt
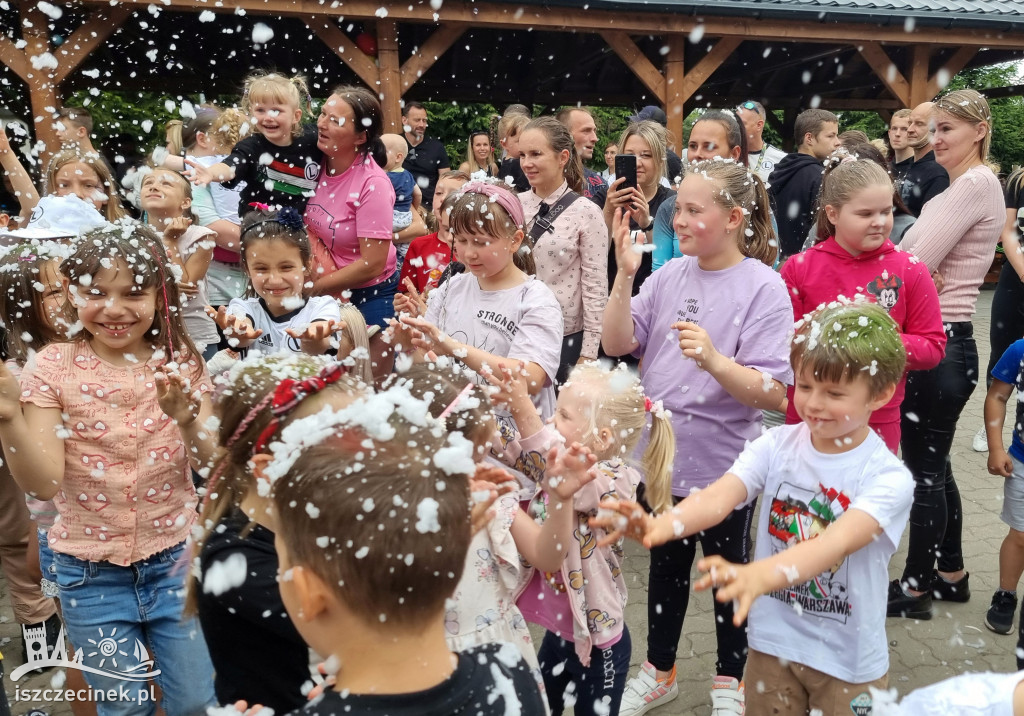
[(90, 433)]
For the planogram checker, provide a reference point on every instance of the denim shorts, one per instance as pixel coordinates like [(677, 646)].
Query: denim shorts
[(48, 584)]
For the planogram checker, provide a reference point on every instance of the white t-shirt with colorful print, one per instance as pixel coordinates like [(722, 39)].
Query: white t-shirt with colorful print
[(834, 622)]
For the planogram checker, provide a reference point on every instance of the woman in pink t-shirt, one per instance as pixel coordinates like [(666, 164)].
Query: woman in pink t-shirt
[(350, 215)]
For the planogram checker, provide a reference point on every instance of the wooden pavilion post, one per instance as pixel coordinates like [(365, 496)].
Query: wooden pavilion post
[(390, 74), (675, 74)]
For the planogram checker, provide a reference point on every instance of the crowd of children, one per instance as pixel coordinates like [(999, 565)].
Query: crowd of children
[(223, 470)]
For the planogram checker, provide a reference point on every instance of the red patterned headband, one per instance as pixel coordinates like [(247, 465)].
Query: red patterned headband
[(289, 393)]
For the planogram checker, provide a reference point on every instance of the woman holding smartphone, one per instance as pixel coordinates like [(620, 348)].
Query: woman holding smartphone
[(642, 192), (568, 236)]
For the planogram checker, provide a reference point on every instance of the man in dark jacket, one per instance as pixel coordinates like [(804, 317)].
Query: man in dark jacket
[(793, 186), (925, 179)]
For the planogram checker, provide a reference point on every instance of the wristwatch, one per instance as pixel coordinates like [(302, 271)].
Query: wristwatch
[(650, 224)]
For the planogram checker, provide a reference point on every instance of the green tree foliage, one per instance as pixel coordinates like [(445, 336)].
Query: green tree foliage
[(143, 116)]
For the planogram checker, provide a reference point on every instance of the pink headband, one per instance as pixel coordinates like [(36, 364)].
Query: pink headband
[(502, 196)]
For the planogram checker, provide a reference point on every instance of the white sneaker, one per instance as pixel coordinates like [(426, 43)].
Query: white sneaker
[(727, 697), (644, 692), (980, 442)]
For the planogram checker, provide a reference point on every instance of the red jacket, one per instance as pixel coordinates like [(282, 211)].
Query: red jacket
[(895, 280)]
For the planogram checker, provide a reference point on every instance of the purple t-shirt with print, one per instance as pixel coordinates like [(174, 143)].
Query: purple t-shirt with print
[(748, 315)]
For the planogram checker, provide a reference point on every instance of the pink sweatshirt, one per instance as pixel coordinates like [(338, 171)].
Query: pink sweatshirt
[(897, 281), (956, 235)]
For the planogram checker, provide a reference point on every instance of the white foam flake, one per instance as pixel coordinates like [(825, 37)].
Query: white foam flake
[(224, 575), (262, 33), (426, 516)]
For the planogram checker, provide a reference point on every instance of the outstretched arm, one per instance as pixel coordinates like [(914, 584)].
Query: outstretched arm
[(617, 326), (701, 510), (744, 583)]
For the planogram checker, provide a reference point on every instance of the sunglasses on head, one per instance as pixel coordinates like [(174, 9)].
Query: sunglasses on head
[(748, 105)]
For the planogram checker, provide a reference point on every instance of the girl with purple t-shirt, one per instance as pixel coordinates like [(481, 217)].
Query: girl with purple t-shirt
[(712, 329)]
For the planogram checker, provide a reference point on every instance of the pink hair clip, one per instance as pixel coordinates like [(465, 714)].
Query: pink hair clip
[(259, 205)]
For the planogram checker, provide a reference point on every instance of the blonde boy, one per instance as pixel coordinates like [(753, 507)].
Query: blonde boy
[(836, 504)]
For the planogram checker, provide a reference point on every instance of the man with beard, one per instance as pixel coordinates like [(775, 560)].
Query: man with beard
[(426, 159)]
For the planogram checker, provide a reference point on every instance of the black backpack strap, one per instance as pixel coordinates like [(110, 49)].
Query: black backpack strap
[(544, 220)]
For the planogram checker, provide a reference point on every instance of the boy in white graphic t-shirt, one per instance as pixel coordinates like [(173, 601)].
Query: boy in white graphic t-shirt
[(836, 503)]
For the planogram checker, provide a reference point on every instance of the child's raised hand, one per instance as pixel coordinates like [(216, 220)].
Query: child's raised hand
[(316, 331), (412, 300), (176, 228), (695, 343), (175, 398), (568, 470), (233, 327), (623, 518), (508, 385), (425, 334), (740, 584), (1000, 463), (627, 257), (488, 484), (10, 391), (197, 173)]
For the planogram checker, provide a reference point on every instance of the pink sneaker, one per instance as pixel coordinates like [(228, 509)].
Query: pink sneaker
[(645, 691)]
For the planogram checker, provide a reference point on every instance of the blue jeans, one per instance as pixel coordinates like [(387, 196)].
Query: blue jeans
[(376, 303), (109, 609), (603, 682)]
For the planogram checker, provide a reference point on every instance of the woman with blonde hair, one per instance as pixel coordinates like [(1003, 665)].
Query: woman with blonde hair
[(647, 141), (956, 237), (479, 155)]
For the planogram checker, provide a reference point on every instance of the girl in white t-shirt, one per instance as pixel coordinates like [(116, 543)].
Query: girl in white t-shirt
[(278, 314), (497, 310), (166, 197)]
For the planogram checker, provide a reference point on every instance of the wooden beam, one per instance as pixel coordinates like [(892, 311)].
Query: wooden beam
[(920, 54), (675, 79), (957, 61), (94, 32), (390, 87), (428, 53), (581, 19), (997, 92), (14, 58), (885, 69), (354, 58), (637, 62), (708, 64), (42, 89)]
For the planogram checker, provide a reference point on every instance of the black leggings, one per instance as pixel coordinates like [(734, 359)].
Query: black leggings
[(1007, 316), (668, 593), (930, 410)]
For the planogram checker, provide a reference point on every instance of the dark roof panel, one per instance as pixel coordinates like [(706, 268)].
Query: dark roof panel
[(965, 13)]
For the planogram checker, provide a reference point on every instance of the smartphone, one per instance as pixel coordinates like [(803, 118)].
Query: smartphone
[(625, 166)]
